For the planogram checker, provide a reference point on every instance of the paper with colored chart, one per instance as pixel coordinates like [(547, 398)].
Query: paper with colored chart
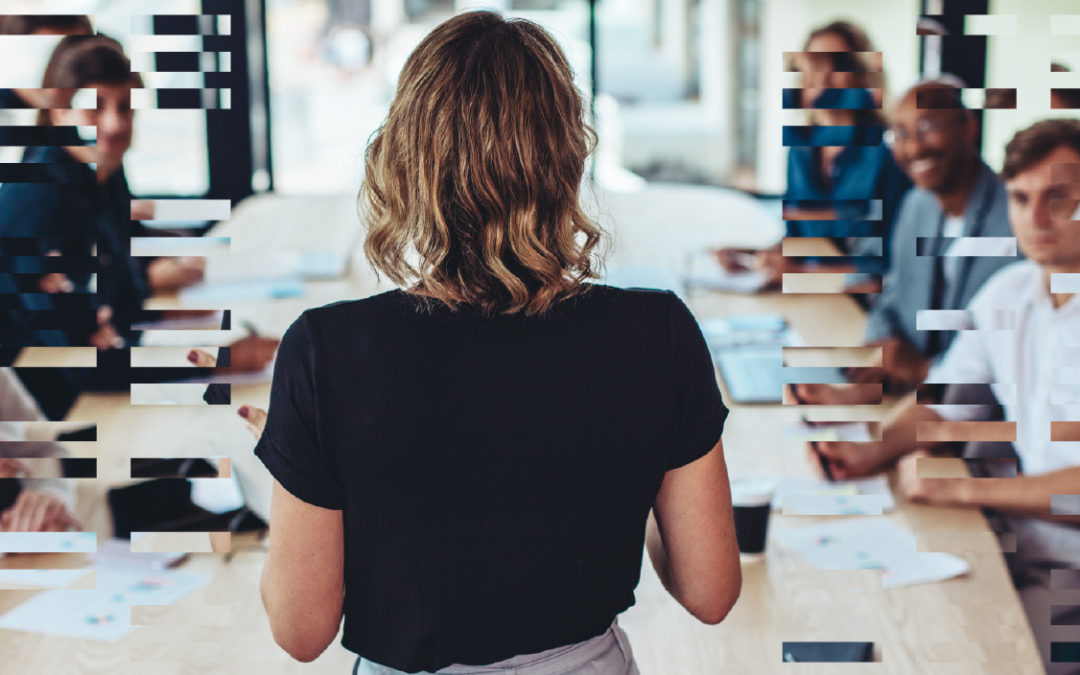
[(43, 578), (48, 542), (815, 497), (103, 613), (870, 544)]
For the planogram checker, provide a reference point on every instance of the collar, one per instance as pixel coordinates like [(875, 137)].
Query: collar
[(986, 186), (1042, 297)]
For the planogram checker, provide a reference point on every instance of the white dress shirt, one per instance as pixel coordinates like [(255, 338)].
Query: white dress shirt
[(1035, 364)]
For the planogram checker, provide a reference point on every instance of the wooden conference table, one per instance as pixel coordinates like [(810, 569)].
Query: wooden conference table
[(964, 625)]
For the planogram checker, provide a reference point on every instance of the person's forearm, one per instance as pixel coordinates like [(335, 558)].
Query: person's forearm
[(1022, 495), (800, 213)]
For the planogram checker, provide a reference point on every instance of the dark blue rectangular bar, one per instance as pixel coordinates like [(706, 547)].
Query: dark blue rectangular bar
[(827, 652)]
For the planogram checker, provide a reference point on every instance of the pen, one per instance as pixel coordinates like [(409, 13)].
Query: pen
[(250, 328), (822, 460)]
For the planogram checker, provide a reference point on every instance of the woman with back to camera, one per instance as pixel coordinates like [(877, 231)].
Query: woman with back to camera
[(464, 468)]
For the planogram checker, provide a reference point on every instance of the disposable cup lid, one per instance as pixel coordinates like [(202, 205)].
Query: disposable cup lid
[(751, 491)]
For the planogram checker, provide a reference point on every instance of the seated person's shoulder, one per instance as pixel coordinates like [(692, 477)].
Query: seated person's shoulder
[(1009, 286), (917, 201), (32, 209)]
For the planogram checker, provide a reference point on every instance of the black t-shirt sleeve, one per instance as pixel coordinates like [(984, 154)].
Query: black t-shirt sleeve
[(701, 410), (290, 446)]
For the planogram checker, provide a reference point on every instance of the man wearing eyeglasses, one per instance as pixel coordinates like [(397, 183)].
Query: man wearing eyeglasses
[(951, 235)]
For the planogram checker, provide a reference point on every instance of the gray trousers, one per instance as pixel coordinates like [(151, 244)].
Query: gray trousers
[(1043, 558), (1049, 589), (606, 654)]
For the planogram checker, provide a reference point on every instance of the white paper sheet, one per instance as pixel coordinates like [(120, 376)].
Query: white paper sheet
[(103, 613), (809, 496), (44, 578), (48, 542), (871, 543)]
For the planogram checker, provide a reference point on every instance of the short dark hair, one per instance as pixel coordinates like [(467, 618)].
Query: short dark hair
[(82, 60), (1030, 146), (28, 24)]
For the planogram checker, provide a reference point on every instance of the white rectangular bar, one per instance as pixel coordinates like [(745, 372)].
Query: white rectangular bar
[(186, 338), (192, 209), (962, 319), (48, 542), (178, 246), (981, 247), (1065, 282), (833, 505), (168, 393), (1065, 24), (170, 542), (990, 24)]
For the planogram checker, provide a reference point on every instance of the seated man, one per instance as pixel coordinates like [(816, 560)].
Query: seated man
[(1024, 335), (956, 195), (28, 504)]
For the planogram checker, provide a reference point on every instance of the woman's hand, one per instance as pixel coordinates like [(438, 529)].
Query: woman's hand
[(37, 512), (55, 282), (11, 468), (201, 359), (106, 336), (256, 419)]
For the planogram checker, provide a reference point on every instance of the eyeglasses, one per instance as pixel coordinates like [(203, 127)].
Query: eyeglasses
[(924, 127)]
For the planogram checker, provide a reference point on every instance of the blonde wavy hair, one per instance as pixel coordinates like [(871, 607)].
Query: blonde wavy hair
[(471, 186)]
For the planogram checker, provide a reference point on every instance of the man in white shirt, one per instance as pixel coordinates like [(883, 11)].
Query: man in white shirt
[(1025, 339), (32, 504)]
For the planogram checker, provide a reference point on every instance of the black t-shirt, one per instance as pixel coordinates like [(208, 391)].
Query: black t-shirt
[(495, 473)]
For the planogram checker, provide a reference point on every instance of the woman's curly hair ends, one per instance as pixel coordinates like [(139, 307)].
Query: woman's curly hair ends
[(471, 186)]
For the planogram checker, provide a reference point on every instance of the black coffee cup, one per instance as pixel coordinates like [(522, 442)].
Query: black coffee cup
[(751, 502)]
